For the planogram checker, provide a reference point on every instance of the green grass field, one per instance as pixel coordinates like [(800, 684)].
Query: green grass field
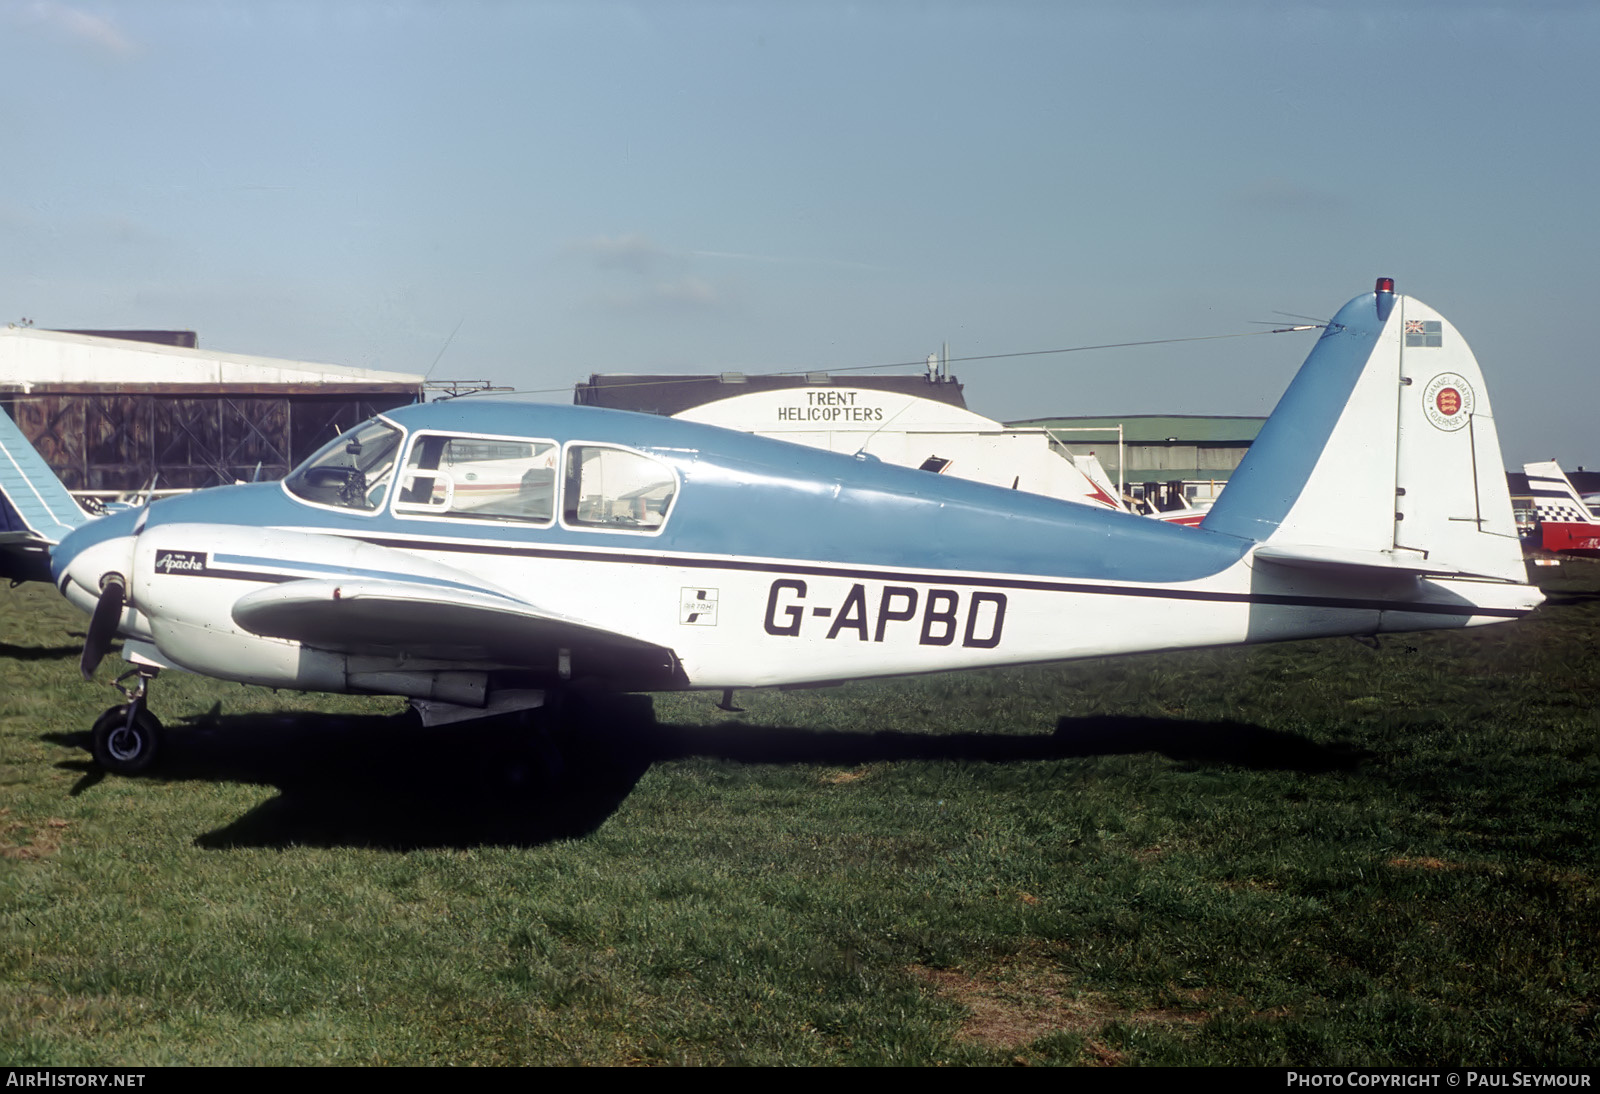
[(1311, 854)]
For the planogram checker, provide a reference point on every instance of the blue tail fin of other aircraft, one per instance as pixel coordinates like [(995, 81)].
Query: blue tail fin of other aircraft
[(36, 510)]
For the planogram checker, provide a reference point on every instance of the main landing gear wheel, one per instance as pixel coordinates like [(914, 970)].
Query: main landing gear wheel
[(125, 745)]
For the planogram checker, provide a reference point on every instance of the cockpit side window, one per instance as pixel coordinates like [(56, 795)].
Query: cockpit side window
[(352, 471), (615, 489), (479, 478)]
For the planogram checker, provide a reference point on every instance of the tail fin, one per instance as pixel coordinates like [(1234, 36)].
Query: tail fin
[(1098, 479), (1382, 453), (1554, 498), (35, 508)]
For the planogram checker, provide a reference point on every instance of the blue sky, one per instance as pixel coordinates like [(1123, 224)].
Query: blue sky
[(681, 187)]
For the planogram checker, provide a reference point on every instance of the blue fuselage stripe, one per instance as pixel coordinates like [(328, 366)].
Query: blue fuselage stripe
[(277, 566)]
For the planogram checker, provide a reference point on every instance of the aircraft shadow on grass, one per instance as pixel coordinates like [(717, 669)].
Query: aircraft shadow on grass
[(387, 782), (1569, 600), (9, 652)]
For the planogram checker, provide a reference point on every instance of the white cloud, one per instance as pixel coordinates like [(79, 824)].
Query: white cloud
[(634, 253), (637, 274), (742, 256), (81, 26), (678, 294), (685, 290)]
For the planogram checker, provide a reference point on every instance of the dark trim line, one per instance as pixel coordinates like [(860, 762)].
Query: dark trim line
[(945, 578)]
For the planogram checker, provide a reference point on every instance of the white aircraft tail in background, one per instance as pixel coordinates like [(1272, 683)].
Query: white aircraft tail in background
[(1566, 523)]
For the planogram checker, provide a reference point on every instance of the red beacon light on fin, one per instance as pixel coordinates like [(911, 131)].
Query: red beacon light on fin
[(1383, 296)]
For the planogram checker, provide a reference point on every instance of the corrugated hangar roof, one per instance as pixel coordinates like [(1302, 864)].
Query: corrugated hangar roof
[(186, 338), (32, 359), (668, 395), (1162, 428), (113, 414)]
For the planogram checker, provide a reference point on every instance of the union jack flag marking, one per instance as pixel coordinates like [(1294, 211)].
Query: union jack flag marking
[(1423, 332)]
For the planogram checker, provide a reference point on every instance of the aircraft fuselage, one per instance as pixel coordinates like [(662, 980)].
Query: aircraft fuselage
[(716, 560)]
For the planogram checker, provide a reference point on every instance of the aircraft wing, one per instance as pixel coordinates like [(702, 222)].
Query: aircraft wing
[(364, 616)]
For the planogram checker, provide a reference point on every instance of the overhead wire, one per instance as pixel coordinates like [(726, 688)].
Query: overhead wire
[(656, 381)]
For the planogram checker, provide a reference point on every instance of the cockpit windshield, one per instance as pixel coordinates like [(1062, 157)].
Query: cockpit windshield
[(352, 471)]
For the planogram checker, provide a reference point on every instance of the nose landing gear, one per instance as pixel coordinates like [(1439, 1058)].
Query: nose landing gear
[(125, 737)]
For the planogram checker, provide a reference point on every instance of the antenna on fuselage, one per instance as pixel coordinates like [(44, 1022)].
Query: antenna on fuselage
[(442, 348)]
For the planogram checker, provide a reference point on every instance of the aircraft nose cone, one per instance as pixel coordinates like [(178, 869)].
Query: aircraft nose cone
[(81, 561)]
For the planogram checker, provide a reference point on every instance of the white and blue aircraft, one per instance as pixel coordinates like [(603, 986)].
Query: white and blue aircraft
[(479, 557)]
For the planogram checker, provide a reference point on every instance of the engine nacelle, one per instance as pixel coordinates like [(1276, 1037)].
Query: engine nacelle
[(184, 596)]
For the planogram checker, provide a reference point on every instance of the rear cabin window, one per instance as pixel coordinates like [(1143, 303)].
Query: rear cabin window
[(616, 489), (479, 478)]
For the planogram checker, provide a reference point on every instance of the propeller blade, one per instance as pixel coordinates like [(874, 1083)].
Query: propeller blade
[(102, 628)]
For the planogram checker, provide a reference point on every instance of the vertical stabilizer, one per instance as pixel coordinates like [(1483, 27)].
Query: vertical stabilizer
[(1382, 452), (1555, 500), (1567, 525)]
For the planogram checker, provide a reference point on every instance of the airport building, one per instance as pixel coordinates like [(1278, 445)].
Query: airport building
[(1160, 456), (922, 421), (672, 395), (112, 411)]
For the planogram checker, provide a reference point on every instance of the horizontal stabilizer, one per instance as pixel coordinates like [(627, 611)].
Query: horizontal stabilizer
[(1350, 558)]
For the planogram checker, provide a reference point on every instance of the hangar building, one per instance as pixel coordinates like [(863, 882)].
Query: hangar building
[(1162, 457), (1162, 454), (110, 411), (671, 395)]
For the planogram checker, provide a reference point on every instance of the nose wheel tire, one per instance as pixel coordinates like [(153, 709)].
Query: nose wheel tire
[(125, 746)]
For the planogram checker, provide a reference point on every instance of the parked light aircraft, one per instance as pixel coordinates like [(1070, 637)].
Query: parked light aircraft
[(1567, 523), (641, 553)]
